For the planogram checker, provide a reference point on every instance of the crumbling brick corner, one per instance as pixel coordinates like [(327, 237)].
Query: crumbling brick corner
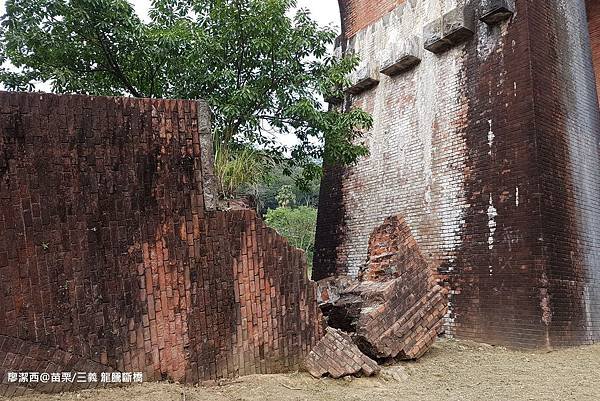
[(392, 311)]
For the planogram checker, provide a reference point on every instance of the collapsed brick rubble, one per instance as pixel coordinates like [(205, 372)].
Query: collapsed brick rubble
[(392, 310), (337, 356)]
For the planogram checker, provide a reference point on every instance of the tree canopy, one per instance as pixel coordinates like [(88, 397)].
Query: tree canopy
[(261, 64)]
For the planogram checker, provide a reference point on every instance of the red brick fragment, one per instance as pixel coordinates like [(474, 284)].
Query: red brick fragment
[(337, 356)]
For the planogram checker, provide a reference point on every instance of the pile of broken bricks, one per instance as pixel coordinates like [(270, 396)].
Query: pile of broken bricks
[(392, 311)]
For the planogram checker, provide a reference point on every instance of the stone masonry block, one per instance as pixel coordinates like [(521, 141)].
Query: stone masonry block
[(495, 11), (364, 79), (459, 24), (405, 55), (433, 37), (454, 27)]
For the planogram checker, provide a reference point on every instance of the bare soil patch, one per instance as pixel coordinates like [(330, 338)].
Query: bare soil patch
[(451, 370)]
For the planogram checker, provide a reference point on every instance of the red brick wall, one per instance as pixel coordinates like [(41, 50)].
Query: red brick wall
[(568, 147), (357, 14), (593, 12), (253, 308), (490, 151), (108, 254), (502, 293)]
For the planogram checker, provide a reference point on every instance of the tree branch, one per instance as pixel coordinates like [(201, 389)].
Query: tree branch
[(115, 66)]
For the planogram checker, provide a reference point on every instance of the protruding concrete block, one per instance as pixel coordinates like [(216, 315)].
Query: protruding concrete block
[(405, 55), (454, 27), (334, 100), (363, 79), (433, 37), (459, 24), (495, 11)]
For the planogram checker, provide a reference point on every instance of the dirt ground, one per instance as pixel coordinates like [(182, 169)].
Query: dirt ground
[(452, 370)]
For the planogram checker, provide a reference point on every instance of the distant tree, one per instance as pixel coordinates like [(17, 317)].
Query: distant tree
[(297, 225), (286, 197), (262, 67), (266, 191)]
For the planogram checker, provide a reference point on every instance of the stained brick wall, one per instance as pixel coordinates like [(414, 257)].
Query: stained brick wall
[(357, 14), (567, 135), (111, 255), (490, 152), (593, 12), (253, 308)]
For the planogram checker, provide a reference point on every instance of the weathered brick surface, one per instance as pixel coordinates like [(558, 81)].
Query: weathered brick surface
[(335, 355), (398, 319), (108, 253), (392, 330), (25, 356), (393, 253), (567, 129), (329, 237), (490, 152), (358, 14), (593, 19), (253, 308), (408, 162)]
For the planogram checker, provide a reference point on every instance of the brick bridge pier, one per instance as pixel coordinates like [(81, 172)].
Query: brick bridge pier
[(485, 139)]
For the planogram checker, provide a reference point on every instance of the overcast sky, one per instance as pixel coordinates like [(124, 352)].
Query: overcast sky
[(324, 11)]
